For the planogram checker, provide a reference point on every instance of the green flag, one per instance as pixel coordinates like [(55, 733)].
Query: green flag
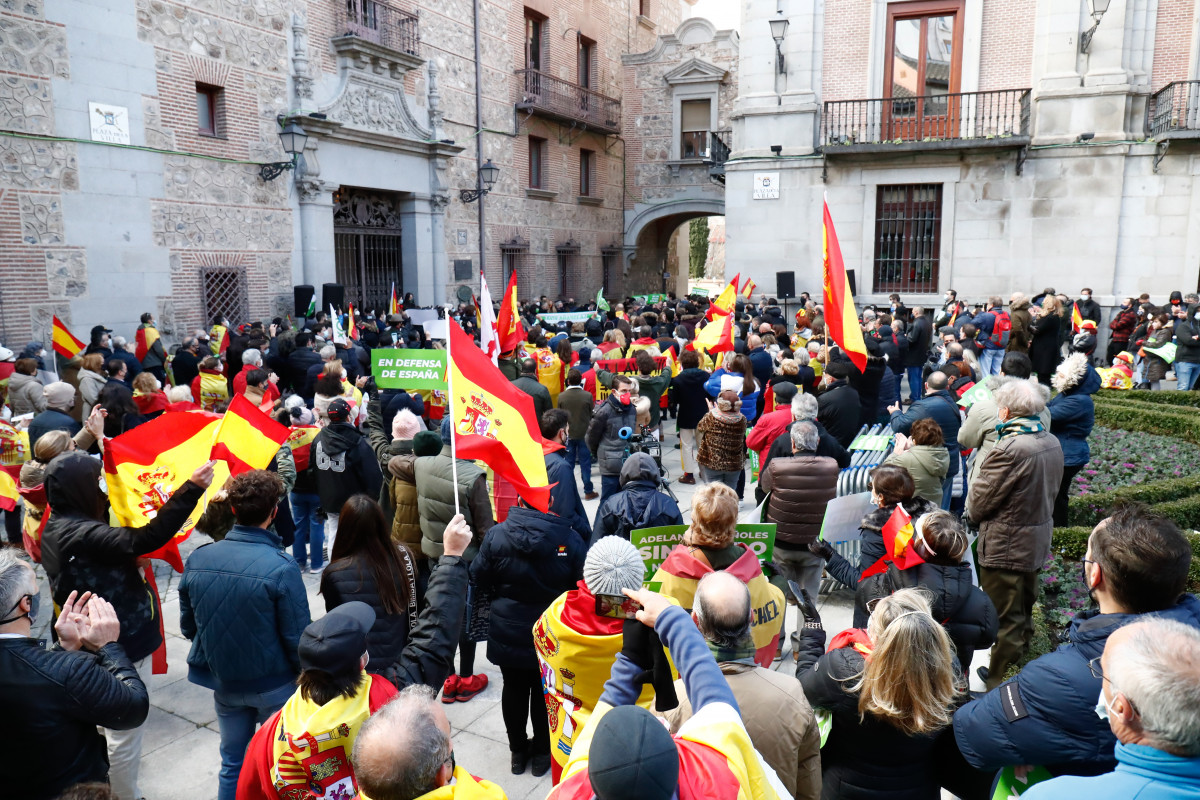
[(978, 392), (312, 307), (601, 303)]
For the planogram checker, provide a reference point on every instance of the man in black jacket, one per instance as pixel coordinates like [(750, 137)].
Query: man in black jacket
[(529, 384), (604, 438), (186, 364), (55, 698), (838, 407), (804, 409), (83, 553), (687, 389), (1088, 308), (299, 361), (564, 494), (344, 464), (940, 406), (920, 334), (638, 505)]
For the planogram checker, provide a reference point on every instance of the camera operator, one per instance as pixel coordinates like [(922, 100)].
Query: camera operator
[(603, 437), (639, 504)]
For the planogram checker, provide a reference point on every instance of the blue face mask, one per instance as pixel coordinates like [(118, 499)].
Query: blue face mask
[(1102, 709)]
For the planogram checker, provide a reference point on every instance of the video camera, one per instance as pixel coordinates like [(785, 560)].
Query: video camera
[(643, 442)]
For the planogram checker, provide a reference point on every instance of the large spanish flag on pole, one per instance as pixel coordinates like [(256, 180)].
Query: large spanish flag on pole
[(494, 421), (143, 468), (841, 318), (247, 438), (727, 300), (65, 343), (510, 331)]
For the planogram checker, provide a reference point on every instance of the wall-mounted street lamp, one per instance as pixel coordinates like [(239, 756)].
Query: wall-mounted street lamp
[(1098, 8), (293, 139), (488, 174), (778, 32)]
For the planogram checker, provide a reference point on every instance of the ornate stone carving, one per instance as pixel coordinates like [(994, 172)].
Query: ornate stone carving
[(439, 202), (375, 106), (26, 105), (33, 48), (201, 180), (41, 219), (66, 273), (365, 209), (40, 165), (435, 101), (311, 190), (301, 77)]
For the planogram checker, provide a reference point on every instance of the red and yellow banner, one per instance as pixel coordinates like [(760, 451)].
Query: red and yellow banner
[(394, 303), (494, 421), (510, 331), (143, 468), (247, 438), (1076, 318), (748, 288), (351, 327), (218, 339), (8, 492), (64, 342), (841, 319), (145, 338)]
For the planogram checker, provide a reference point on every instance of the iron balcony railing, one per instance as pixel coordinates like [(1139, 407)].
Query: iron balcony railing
[(554, 98), (380, 23), (965, 119), (718, 154), (1174, 111)]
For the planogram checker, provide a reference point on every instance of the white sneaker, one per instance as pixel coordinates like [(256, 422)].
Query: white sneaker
[(316, 570)]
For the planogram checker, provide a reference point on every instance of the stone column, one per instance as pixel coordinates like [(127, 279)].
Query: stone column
[(316, 232), (441, 264), (418, 245)]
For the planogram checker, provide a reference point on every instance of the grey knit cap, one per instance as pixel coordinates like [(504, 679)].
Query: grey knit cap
[(613, 564)]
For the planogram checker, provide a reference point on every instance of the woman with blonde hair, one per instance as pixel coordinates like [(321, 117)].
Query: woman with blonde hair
[(91, 380), (614, 341), (709, 546), (33, 473), (1044, 327), (891, 690), (148, 396)]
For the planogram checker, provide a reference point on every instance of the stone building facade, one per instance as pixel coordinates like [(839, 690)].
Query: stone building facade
[(970, 145), (132, 133)]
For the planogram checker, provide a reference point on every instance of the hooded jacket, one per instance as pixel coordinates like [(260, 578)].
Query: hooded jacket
[(1187, 337), (638, 505), (344, 465), (1022, 334), (406, 513), (524, 563), (1072, 412), (25, 394), (435, 500), (1056, 724), (81, 553), (927, 465), (90, 384)]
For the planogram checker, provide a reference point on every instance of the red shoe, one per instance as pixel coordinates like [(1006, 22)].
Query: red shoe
[(450, 689), (687, 478), (470, 686)]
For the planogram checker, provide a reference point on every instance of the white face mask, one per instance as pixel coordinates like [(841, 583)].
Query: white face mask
[(1102, 709)]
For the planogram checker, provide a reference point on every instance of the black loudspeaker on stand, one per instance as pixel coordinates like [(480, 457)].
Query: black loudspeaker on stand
[(333, 294), (301, 297), (785, 284)]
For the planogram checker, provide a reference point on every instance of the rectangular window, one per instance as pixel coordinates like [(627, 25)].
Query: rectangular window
[(512, 259), (587, 160), (566, 255), (694, 119), (207, 105), (923, 69), (587, 49), (608, 268), (225, 293), (535, 32), (908, 237), (644, 8), (537, 163)]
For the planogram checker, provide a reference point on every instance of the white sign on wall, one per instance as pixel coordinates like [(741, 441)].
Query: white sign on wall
[(109, 123), (766, 186)]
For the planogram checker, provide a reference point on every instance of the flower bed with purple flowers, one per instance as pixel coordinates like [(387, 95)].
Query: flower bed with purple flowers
[(1125, 458)]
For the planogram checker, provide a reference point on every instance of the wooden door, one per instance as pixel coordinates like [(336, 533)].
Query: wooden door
[(922, 71)]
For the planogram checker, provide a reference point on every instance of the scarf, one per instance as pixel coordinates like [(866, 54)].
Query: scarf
[(743, 652), (1017, 426)]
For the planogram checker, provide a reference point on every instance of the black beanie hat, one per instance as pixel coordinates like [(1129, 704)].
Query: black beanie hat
[(632, 756)]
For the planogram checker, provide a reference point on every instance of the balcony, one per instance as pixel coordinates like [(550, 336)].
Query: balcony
[(380, 24), (960, 121), (718, 154), (566, 102), (1174, 112)]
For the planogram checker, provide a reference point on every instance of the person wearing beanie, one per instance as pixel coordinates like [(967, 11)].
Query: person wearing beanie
[(523, 564), (343, 464), (624, 752), (434, 474), (571, 635), (59, 398), (638, 505)]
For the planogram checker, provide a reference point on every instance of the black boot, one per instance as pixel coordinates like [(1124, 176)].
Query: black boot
[(520, 760), (540, 764)]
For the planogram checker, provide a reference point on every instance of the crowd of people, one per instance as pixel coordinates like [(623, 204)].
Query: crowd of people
[(692, 688)]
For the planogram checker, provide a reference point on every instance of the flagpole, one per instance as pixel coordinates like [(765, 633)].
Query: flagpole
[(450, 408)]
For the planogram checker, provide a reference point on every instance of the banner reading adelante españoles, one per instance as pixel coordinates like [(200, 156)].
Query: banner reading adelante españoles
[(655, 544), (409, 369)]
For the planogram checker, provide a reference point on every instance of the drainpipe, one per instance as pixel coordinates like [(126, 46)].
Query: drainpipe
[(479, 139)]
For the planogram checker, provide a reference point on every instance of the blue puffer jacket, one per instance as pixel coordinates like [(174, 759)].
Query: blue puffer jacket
[(942, 408), (1072, 412), (723, 379), (1142, 772), (243, 605), (1047, 714)]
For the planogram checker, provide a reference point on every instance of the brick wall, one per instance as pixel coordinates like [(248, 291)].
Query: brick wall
[(1173, 34), (846, 50), (1006, 47)]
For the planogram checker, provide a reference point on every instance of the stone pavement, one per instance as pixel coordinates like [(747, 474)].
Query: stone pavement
[(180, 759)]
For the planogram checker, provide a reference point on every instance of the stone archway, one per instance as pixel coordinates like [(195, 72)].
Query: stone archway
[(648, 235)]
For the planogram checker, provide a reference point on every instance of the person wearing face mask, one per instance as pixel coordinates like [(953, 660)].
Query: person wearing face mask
[(1187, 348), (1135, 568), (1011, 500), (1122, 326), (57, 697), (1151, 701), (243, 605), (564, 493), (604, 440), (1088, 308)]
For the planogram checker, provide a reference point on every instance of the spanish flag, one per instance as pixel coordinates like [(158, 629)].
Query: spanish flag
[(351, 328), (300, 441), (897, 543), (510, 331), (494, 421), (715, 336), (218, 339), (748, 288), (1076, 318), (394, 303), (841, 319), (146, 336), (246, 438), (143, 468), (65, 343), (727, 300), (14, 451), (8, 492)]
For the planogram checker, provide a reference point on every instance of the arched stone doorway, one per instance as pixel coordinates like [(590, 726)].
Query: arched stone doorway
[(648, 243)]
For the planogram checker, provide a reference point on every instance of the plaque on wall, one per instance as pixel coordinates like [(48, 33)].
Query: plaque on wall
[(463, 269)]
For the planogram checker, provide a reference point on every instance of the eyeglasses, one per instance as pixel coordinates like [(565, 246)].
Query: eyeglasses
[(1096, 670)]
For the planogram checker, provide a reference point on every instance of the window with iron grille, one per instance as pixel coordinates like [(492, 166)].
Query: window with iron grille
[(225, 294), (587, 160), (608, 267), (537, 163), (908, 237), (514, 257), (567, 256)]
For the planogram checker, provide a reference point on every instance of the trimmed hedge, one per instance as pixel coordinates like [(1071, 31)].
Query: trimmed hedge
[(1070, 545), (1191, 399), (1089, 509), (1132, 415)]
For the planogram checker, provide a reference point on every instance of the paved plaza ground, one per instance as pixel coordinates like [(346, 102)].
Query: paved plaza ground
[(180, 759)]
